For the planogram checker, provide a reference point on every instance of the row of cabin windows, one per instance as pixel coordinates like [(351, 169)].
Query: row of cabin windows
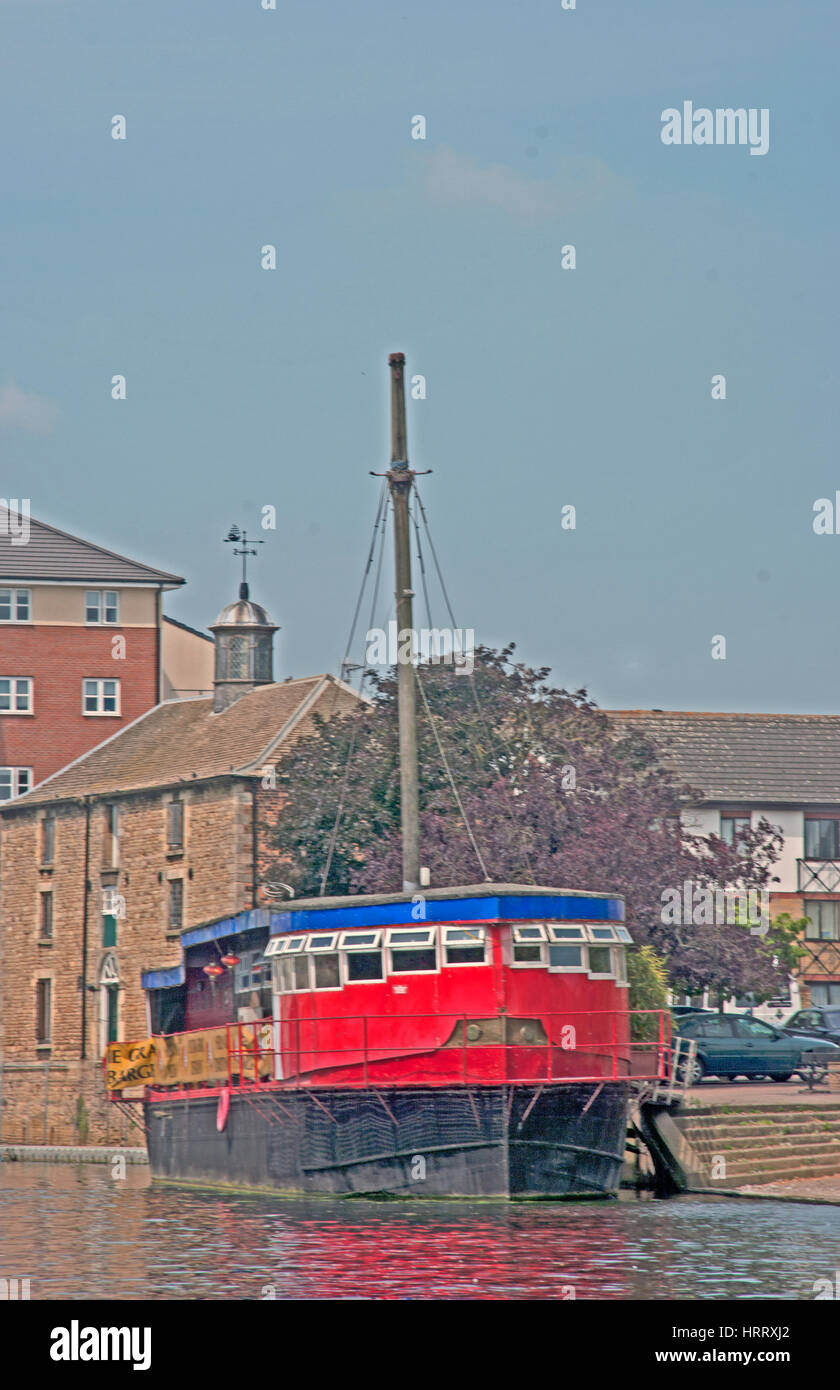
[(327, 960), (100, 606), (99, 695)]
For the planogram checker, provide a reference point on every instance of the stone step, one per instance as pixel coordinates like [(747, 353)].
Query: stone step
[(803, 1162), (758, 1179), (759, 1158)]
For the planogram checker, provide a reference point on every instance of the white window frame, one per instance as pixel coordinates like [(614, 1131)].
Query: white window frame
[(14, 692), (601, 974), (477, 936), (16, 773), (623, 935), (101, 606), (619, 963), (313, 961), (290, 944), (582, 969), (537, 936), (577, 927), (321, 941), (393, 944), (14, 600), (349, 942), (100, 682), (607, 933)]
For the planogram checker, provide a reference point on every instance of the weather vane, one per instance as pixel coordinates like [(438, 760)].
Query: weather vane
[(235, 536)]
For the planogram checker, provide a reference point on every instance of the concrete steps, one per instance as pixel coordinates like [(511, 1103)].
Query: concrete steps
[(735, 1146)]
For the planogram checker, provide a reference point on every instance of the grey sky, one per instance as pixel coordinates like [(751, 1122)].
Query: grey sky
[(545, 387)]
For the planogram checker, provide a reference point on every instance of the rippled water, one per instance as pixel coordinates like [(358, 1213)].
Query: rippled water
[(76, 1233)]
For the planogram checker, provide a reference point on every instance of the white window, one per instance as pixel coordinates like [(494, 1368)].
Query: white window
[(16, 694), (14, 781), (600, 961), (15, 605), (619, 964), (528, 949), (464, 945), (100, 697), (280, 945), (566, 957), (412, 950), (323, 941), (601, 933), (101, 606), (572, 932), (623, 935), (363, 956)]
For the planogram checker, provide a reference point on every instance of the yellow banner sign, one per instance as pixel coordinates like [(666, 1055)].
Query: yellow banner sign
[(209, 1055), (130, 1064)]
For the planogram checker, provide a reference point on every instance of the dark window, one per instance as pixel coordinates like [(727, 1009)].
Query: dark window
[(175, 823), (465, 955), (43, 1011), (326, 970), (831, 1020), (111, 840), (753, 1028), (733, 829), (821, 839), (523, 955), (599, 960), (565, 957), (46, 916), (364, 965), (176, 904), (301, 969), (109, 929), (48, 839), (405, 962), (712, 1028)]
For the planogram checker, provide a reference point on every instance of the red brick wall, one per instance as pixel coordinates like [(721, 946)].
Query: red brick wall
[(58, 659)]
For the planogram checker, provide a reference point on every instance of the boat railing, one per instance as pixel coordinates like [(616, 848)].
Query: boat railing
[(413, 1050)]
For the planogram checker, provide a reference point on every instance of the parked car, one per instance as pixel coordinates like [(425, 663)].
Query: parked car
[(683, 1010), (737, 1045), (816, 1022)]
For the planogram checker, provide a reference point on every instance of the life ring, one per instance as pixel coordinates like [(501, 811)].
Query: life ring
[(222, 1110)]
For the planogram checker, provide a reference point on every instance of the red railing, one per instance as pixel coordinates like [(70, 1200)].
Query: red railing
[(430, 1050)]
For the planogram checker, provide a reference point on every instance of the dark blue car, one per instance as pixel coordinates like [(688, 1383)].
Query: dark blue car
[(739, 1045)]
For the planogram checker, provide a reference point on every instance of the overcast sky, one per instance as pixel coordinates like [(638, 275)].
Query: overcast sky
[(545, 387)]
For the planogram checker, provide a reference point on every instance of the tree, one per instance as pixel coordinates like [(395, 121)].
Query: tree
[(553, 792)]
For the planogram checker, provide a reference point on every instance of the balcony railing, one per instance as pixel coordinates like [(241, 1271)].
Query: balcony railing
[(818, 875)]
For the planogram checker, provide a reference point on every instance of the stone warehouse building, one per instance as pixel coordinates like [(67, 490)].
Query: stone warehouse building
[(84, 649), (786, 769), (106, 863)]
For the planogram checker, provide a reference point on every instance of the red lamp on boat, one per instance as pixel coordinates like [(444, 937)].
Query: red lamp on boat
[(231, 961), (213, 970)]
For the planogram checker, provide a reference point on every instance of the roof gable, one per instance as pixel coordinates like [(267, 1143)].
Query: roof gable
[(53, 554)]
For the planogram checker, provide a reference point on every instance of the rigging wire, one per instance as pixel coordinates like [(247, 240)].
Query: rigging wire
[(445, 762), (346, 662), (515, 820)]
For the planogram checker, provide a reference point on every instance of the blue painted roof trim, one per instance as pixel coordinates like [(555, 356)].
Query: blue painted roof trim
[(227, 926), (163, 979), (540, 908)]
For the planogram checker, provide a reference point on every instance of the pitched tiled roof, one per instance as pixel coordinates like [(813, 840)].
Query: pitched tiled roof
[(185, 740), (53, 554), (771, 758)]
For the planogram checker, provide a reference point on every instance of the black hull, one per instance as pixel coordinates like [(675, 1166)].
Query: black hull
[(492, 1141)]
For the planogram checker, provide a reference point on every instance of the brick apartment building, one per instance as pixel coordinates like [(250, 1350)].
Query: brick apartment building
[(786, 769), (106, 863), (84, 650)]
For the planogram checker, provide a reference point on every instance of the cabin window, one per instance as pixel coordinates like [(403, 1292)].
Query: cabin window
[(620, 964), (412, 950), (324, 941), (300, 965), (565, 957), (623, 935), (326, 970), (464, 945), (283, 978), (601, 934), (599, 960), (527, 944), (363, 955), (567, 933)]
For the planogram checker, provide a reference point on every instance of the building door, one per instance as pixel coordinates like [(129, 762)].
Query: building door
[(109, 1001)]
